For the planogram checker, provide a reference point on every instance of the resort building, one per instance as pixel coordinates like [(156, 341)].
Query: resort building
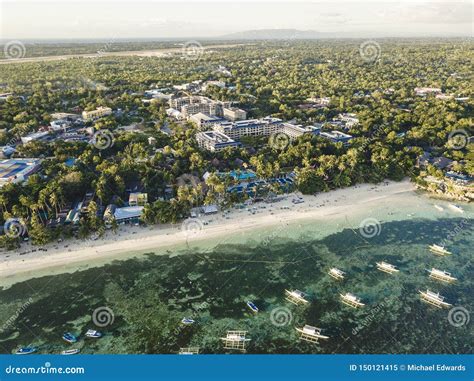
[(17, 170), (349, 120), (204, 120), (122, 215), (233, 114), (191, 105), (96, 114), (294, 131), (337, 137), (40, 135), (252, 127), (215, 141)]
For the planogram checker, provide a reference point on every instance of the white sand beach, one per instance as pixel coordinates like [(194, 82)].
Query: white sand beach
[(357, 202)]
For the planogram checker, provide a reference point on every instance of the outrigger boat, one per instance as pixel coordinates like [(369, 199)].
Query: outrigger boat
[(336, 273), (456, 208), (69, 337), (26, 350), (235, 340), (189, 351), (387, 267), (70, 352), (187, 321), (439, 250), (252, 306), (435, 299), (442, 276), (296, 297), (93, 334), (311, 334), (439, 208), (351, 300)]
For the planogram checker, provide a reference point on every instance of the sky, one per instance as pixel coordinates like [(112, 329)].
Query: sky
[(112, 19)]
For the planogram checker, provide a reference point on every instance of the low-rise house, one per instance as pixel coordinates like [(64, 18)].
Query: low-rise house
[(137, 199)]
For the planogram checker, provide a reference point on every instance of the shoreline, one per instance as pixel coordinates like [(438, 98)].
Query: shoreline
[(132, 241)]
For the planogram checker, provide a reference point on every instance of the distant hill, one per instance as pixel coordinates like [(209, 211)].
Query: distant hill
[(278, 34)]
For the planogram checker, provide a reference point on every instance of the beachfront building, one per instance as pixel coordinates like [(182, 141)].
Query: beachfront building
[(234, 113), (215, 141), (17, 170), (96, 114), (128, 214)]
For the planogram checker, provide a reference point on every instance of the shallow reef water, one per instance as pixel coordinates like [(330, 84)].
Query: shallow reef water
[(138, 303)]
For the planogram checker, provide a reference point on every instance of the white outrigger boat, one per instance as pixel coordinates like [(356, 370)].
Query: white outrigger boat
[(235, 340), (435, 299), (456, 208), (311, 334), (386, 267), (296, 297), (442, 276), (440, 208), (336, 273), (439, 250), (189, 351), (351, 300), (93, 334), (70, 352)]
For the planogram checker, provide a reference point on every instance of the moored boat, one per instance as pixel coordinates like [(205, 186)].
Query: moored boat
[(70, 352), (93, 334), (26, 350), (252, 306), (442, 276), (69, 337), (187, 321), (435, 299), (439, 250), (386, 267), (336, 273)]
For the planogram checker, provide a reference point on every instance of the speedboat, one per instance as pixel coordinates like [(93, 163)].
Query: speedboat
[(70, 338), (71, 352), (26, 350), (187, 321), (94, 334), (252, 306)]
